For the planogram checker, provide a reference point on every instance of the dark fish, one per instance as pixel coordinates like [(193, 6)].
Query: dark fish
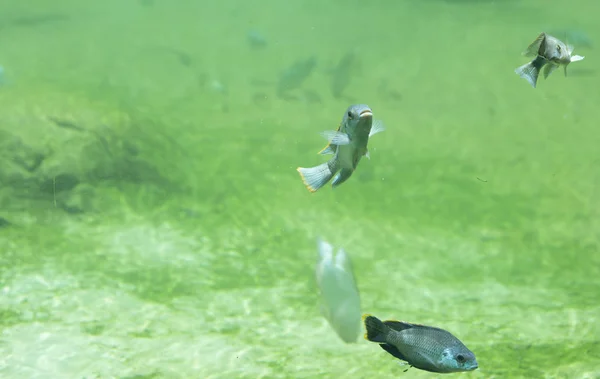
[(293, 77), (348, 144), (341, 74), (66, 124), (549, 53), (424, 347)]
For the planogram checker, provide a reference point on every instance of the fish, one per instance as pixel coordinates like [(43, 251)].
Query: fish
[(294, 76), (420, 346), (340, 299), (348, 144), (256, 39), (550, 53), (341, 74)]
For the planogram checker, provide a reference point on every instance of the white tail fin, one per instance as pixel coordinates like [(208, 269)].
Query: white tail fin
[(316, 177)]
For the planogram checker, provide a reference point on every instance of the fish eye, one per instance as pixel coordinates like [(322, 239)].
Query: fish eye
[(350, 115), (460, 358)]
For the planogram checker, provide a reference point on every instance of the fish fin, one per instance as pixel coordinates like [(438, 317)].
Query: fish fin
[(377, 331), (529, 72), (329, 149), (325, 249), (376, 127), (336, 138), (393, 350), (367, 154), (576, 58), (398, 325), (534, 47), (565, 70), (342, 261), (549, 68), (341, 177), (316, 177)]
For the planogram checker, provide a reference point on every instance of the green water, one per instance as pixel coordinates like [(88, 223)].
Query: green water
[(187, 248)]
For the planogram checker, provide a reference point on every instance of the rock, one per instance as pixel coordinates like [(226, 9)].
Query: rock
[(56, 147)]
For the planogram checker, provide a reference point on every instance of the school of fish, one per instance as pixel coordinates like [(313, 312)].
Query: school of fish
[(423, 347)]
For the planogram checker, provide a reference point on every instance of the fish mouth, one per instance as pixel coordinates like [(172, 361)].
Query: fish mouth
[(366, 113)]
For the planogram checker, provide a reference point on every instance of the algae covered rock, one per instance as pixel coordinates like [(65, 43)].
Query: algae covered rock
[(55, 147)]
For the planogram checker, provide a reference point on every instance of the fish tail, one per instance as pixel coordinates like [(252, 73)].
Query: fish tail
[(377, 331), (316, 177), (531, 70)]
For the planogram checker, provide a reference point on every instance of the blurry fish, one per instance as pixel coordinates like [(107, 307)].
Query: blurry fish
[(575, 36), (424, 347), (255, 39), (549, 53), (339, 294), (293, 77), (341, 74), (348, 144)]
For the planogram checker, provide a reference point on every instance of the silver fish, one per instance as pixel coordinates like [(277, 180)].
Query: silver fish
[(424, 347), (348, 144), (549, 53), (339, 294)]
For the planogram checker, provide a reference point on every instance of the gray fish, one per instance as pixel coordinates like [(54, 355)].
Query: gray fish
[(293, 77), (348, 144), (424, 347), (549, 53)]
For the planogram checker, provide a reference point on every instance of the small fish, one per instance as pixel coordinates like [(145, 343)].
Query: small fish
[(339, 293), (256, 39), (348, 144), (294, 76), (549, 53), (424, 347)]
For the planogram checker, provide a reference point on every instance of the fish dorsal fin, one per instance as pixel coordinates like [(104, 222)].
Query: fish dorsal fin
[(398, 325), (534, 47)]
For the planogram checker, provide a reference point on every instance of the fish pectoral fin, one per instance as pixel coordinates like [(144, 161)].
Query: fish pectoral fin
[(549, 68), (367, 154), (576, 58), (376, 127), (393, 350), (336, 138)]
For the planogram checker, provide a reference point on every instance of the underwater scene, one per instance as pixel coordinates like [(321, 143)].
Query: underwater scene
[(299, 189)]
